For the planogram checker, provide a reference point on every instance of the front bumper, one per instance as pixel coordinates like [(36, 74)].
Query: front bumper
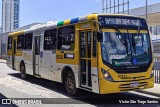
[(107, 87)]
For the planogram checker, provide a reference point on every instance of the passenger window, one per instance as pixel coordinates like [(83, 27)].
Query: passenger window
[(20, 44), (28, 41), (50, 39), (66, 38)]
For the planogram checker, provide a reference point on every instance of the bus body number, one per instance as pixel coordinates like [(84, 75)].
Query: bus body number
[(122, 76), (59, 56)]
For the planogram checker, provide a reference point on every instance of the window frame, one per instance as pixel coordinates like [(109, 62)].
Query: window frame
[(73, 31), (54, 31)]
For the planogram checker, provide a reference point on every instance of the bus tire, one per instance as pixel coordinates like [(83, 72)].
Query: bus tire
[(23, 71), (70, 84)]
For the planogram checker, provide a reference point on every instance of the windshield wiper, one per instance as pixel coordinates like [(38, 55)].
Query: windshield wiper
[(124, 42)]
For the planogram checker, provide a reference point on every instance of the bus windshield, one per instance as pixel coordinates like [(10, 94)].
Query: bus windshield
[(126, 49)]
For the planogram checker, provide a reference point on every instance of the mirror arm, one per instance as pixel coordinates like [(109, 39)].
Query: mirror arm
[(100, 26), (99, 33)]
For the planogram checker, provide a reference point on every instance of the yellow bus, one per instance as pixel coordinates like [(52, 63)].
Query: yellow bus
[(100, 53)]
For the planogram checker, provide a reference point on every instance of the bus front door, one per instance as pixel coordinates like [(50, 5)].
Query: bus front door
[(85, 59), (36, 65)]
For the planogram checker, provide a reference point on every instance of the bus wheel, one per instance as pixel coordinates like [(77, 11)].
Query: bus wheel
[(23, 71), (70, 84)]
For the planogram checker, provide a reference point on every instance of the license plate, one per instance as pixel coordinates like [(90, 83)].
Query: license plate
[(135, 84)]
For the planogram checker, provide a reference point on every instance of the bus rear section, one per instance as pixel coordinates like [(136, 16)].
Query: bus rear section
[(15, 49)]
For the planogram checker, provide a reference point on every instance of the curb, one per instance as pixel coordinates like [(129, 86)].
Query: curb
[(150, 93), (3, 61)]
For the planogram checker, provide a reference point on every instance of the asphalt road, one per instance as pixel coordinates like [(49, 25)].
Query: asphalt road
[(48, 92)]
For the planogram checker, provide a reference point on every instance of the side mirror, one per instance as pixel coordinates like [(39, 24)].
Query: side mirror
[(99, 37)]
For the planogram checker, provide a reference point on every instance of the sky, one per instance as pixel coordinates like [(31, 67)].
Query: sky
[(41, 11)]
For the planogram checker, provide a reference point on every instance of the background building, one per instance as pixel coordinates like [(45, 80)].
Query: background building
[(4, 39), (10, 15), (150, 12)]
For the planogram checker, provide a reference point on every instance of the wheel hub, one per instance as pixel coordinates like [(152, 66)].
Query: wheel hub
[(70, 83)]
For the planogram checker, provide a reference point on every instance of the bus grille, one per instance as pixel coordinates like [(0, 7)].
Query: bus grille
[(126, 87)]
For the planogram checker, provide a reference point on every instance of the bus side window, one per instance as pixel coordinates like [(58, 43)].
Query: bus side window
[(94, 45), (66, 38), (20, 43), (28, 41), (9, 42), (50, 39)]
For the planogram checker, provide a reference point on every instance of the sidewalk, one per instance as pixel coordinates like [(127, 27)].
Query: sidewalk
[(152, 91), (3, 61)]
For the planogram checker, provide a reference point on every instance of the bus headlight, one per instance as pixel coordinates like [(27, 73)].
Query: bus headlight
[(107, 76), (152, 74)]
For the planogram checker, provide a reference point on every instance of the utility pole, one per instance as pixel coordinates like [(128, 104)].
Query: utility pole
[(118, 6), (102, 6), (114, 6), (110, 6), (106, 6), (146, 10), (128, 7), (123, 7)]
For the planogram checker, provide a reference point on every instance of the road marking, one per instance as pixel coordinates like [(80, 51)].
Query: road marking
[(146, 95)]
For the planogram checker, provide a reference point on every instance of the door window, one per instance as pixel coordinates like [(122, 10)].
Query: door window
[(37, 46)]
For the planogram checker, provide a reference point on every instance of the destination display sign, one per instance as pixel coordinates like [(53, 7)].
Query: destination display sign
[(120, 21)]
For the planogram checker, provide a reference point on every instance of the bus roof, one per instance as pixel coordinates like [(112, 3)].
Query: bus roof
[(16, 33), (68, 22)]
